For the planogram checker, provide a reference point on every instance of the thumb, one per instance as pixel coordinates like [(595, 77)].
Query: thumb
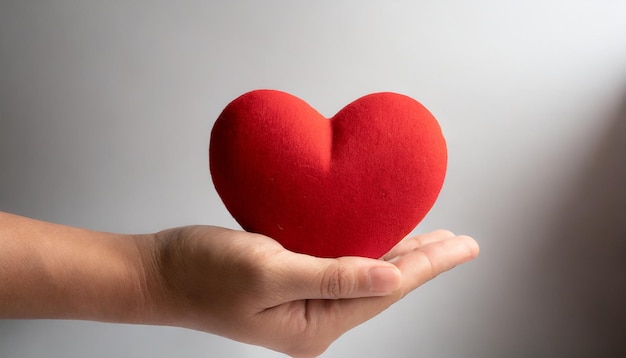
[(344, 277)]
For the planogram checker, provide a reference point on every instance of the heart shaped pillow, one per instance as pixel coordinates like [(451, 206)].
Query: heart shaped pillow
[(351, 185)]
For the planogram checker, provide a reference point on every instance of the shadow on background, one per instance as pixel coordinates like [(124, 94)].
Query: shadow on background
[(582, 277)]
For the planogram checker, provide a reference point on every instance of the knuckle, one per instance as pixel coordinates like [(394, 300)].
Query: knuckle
[(307, 349), (337, 282), (306, 353)]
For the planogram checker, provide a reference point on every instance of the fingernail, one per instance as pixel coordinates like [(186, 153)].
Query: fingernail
[(384, 279)]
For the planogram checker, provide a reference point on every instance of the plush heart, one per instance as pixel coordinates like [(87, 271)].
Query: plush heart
[(351, 185)]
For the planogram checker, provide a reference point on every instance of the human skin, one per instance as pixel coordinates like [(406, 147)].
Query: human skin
[(236, 284)]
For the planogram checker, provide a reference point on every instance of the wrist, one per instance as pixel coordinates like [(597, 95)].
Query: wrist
[(107, 278), (158, 299)]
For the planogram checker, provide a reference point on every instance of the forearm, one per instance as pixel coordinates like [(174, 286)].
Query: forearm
[(56, 271)]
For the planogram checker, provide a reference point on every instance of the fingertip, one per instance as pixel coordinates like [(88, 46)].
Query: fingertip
[(444, 233), (471, 243), (466, 249)]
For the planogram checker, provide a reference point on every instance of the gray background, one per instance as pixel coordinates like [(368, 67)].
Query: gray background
[(106, 109)]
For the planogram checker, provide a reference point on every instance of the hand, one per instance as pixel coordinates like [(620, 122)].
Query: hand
[(247, 287), (232, 283)]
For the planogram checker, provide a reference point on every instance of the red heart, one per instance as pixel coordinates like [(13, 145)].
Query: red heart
[(352, 185)]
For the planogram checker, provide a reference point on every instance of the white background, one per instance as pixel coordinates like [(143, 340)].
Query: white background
[(106, 109)]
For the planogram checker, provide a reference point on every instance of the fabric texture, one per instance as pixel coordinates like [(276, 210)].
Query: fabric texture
[(352, 185)]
